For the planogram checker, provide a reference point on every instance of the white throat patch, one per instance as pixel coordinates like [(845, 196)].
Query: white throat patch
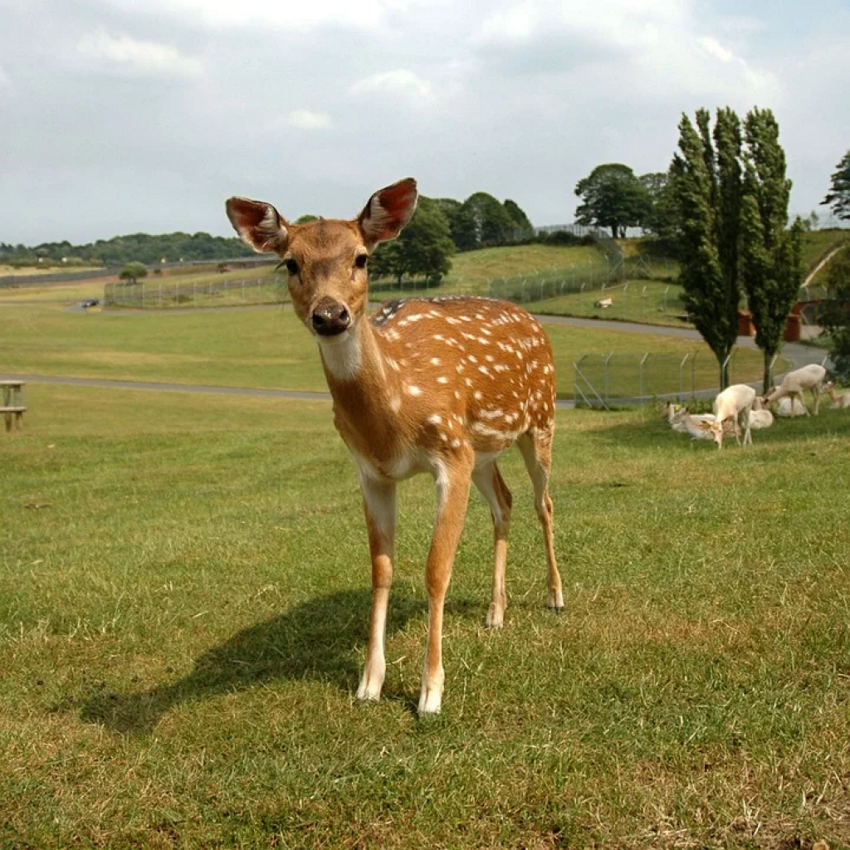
[(341, 354)]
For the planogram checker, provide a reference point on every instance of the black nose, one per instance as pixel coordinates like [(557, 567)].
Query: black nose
[(330, 317)]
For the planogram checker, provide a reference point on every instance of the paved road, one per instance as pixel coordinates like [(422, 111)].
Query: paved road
[(799, 355)]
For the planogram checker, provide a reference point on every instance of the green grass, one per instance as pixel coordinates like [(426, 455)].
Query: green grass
[(183, 607), (269, 348)]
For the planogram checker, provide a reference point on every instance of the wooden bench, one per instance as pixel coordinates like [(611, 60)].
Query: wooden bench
[(13, 403)]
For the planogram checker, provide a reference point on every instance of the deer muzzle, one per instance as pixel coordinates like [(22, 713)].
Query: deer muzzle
[(330, 318)]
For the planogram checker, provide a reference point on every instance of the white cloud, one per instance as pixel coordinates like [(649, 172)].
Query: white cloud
[(125, 55), (400, 83), (304, 119), (365, 14), (714, 48)]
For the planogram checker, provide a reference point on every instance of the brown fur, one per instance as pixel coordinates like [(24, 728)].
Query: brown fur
[(437, 385)]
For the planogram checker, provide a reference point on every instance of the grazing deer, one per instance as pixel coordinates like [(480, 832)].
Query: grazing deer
[(438, 385)]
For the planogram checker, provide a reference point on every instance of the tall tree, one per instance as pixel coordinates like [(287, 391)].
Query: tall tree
[(520, 220), (612, 196), (424, 247), (771, 266), (703, 181), (490, 221), (836, 313), (838, 196)]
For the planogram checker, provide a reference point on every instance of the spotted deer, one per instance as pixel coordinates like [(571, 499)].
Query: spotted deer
[(437, 385)]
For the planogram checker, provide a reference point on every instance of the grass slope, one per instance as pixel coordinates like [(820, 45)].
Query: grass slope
[(183, 607)]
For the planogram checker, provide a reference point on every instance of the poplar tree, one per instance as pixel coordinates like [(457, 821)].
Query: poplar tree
[(771, 266), (706, 179), (838, 196)]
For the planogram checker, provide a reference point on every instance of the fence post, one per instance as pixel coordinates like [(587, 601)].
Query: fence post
[(682, 377), (607, 361), (640, 375), (625, 299)]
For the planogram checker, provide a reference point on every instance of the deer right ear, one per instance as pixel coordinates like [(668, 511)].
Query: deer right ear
[(258, 224), (388, 211)]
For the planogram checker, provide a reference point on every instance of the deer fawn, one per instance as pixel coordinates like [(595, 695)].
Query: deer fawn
[(440, 385)]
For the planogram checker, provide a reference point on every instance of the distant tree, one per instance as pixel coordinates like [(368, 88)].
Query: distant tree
[(424, 247), (132, 272), (306, 219), (661, 218), (518, 217), (461, 225), (612, 196), (706, 179), (836, 313), (838, 196), (486, 222), (771, 265)]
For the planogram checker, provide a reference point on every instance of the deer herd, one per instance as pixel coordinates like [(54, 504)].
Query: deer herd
[(438, 385), (738, 406)]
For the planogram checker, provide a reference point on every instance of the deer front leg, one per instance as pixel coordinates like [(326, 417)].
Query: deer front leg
[(379, 502), (453, 483)]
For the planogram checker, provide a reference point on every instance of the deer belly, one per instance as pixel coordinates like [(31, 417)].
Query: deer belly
[(394, 469)]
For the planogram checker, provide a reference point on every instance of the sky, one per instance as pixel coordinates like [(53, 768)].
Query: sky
[(123, 116)]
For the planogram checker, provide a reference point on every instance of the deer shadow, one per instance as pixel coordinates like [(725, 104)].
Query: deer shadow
[(315, 640)]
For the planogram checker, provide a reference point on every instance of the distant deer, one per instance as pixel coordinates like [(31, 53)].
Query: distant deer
[(439, 385)]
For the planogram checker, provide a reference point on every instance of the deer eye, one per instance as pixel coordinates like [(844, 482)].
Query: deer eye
[(291, 265), (361, 260)]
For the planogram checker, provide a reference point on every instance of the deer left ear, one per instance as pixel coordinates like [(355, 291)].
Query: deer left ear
[(388, 211), (258, 224)]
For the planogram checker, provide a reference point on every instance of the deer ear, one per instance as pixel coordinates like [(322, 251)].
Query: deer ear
[(258, 224), (388, 211)]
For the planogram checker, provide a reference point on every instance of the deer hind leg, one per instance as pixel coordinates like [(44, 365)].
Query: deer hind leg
[(379, 501), (536, 449), (491, 485), (453, 483)]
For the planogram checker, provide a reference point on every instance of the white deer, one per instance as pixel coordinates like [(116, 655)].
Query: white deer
[(439, 385), (809, 377), (734, 403)]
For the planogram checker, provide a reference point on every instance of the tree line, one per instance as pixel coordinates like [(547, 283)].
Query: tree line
[(441, 227), (137, 247)]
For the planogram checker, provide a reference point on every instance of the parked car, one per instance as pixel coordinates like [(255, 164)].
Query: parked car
[(90, 302)]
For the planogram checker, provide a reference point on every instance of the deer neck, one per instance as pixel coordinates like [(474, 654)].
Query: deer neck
[(365, 390)]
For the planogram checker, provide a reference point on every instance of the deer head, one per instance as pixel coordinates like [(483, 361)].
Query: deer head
[(327, 260)]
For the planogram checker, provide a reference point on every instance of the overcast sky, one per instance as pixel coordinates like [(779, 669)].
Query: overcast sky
[(121, 116)]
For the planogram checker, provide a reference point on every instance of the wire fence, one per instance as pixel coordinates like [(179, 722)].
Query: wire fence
[(174, 294), (613, 380)]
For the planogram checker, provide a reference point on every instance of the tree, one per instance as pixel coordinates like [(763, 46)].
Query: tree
[(706, 185), (838, 196), (133, 271), (517, 215), (486, 221), (771, 265), (835, 317), (612, 197), (424, 247)]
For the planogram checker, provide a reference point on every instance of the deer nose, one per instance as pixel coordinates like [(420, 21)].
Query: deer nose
[(330, 317)]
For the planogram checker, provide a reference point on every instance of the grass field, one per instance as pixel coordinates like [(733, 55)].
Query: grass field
[(183, 606), (268, 348), (184, 594)]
